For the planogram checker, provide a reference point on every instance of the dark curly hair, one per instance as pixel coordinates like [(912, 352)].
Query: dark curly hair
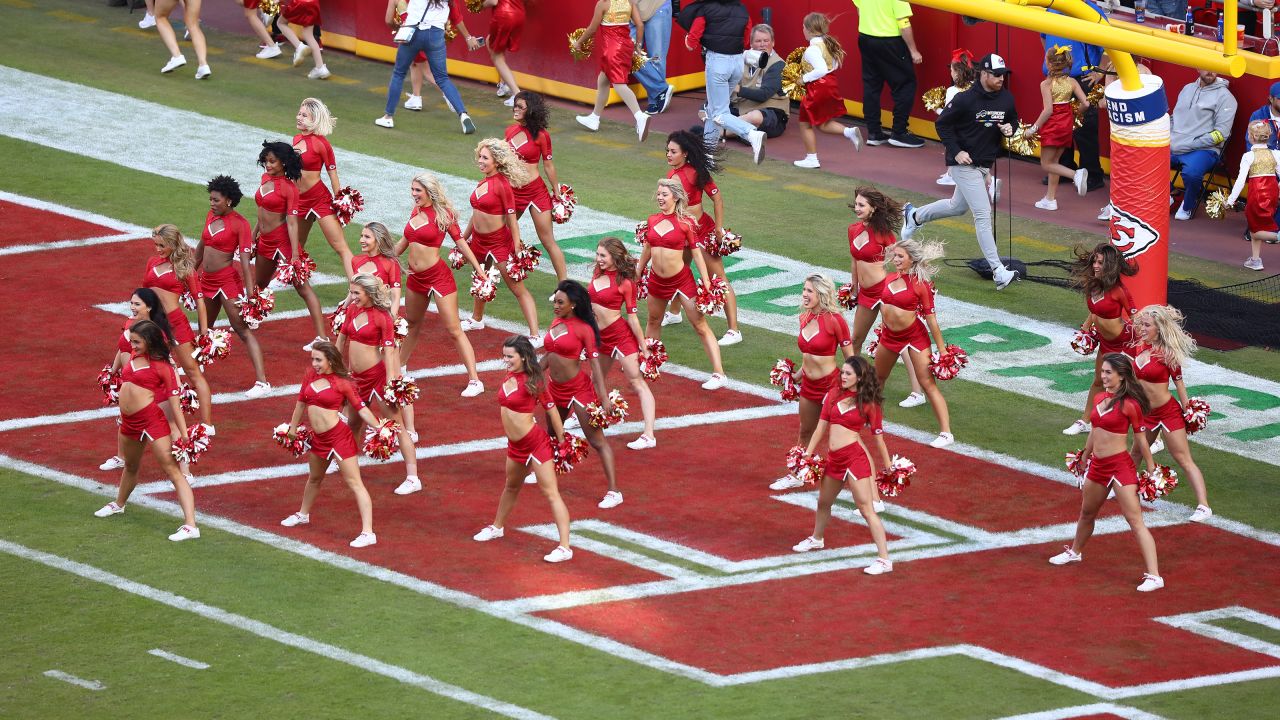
[(227, 187), (1114, 265), (703, 160), (287, 156), (887, 218), (536, 113), (581, 299)]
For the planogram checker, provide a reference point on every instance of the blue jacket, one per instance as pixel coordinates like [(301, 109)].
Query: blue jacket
[(1083, 55), (1264, 113)]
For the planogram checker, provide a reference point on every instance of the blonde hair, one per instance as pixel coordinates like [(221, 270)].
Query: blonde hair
[(322, 121), (506, 161), (1173, 343), (922, 255), (180, 255), (819, 25), (682, 197), (1259, 131), (440, 203), (374, 288), (826, 292), (385, 245), (1057, 60)]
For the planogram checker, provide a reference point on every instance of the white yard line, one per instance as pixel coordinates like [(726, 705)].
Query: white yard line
[(73, 680), (179, 659)]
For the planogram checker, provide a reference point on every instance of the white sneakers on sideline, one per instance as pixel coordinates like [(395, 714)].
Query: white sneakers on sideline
[(786, 482), (300, 52), (1045, 203), (1150, 583), (642, 125), (296, 519), (322, 73), (1066, 556), (731, 337), (810, 162), (410, 486), (756, 139), (669, 318), (1077, 427), (560, 554), (413, 103), (644, 442), (944, 439), (715, 382), (488, 533), (469, 324), (1202, 513), (611, 499), (174, 63), (807, 544), (879, 567), (1003, 277), (1081, 181), (364, 539), (108, 510), (203, 72), (115, 462), (385, 121), (855, 136), (258, 390), (269, 51), (473, 388), (147, 21), (186, 532), (590, 121), (915, 399)]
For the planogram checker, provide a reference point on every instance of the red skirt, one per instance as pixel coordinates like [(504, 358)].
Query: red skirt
[(533, 448), (369, 382), (1116, 344), (706, 230), (317, 201), (336, 443), (146, 425), (225, 282), (615, 48), (505, 28), (869, 297), (682, 283), (1167, 416), (302, 12), (250, 4), (1260, 210), (617, 340), (849, 461), (1057, 130), (182, 333), (534, 193), (822, 101), (1118, 467), (274, 245), (436, 279), (816, 390), (498, 244), (578, 390), (914, 337)]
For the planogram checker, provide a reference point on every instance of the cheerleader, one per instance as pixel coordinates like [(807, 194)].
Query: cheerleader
[(692, 165), (432, 218), (822, 102), (267, 47), (962, 76), (672, 231), (573, 336), (378, 258), (143, 305), (527, 444), (615, 48), (368, 344), (275, 236), (1160, 350), (1100, 275), (171, 274), (494, 231), (1057, 122), (1258, 171), (325, 389), (530, 140), (147, 379), (1119, 407), (613, 300), (909, 321), (505, 28), (315, 201), (852, 404), (823, 331), (223, 257), (191, 19), (306, 13)]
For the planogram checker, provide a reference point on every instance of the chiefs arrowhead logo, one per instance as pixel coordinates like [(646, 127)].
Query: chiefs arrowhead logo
[(1130, 234)]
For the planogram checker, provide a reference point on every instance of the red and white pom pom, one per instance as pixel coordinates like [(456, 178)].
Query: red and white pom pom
[(613, 412), (110, 383), (642, 232), (729, 244), (711, 301), (381, 442), (338, 317), (188, 399), (193, 447), (783, 377), (457, 259), (897, 477), (402, 328), (875, 341), (1085, 342), (187, 300), (650, 367), (296, 271), (948, 364), (485, 287), (346, 203), (400, 392), (211, 346), (256, 307), (642, 285), (568, 452), (1196, 414), (1077, 463), (524, 262), (804, 467), (299, 444), (1155, 484), (562, 207), (847, 297)]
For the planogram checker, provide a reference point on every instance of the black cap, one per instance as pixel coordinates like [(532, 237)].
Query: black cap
[(993, 64)]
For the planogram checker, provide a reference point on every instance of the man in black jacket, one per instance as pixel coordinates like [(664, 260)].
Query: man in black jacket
[(971, 129), (720, 26)]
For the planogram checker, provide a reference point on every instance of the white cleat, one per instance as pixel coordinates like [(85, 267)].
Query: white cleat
[(488, 533), (611, 499), (300, 52), (1066, 556), (855, 136), (115, 462), (807, 544), (560, 554), (1077, 427), (1202, 513), (944, 439), (296, 519), (173, 64), (186, 532), (269, 51), (108, 510), (203, 72), (671, 319), (413, 103), (644, 442), (731, 337), (469, 324), (590, 121), (364, 539), (258, 390), (915, 399), (473, 388), (147, 21), (1150, 583), (879, 567), (715, 382), (410, 486), (321, 73), (786, 482)]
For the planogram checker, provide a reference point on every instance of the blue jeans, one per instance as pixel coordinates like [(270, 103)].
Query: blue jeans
[(431, 42), (1175, 9), (1195, 165), (657, 39), (723, 73)]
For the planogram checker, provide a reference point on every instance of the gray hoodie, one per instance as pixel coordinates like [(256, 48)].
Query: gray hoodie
[(1199, 111)]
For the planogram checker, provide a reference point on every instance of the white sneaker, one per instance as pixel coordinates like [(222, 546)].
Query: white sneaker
[(413, 435), (108, 510), (878, 506), (644, 442), (571, 422), (1181, 214), (1253, 263), (173, 64), (1081, 181), (311, 344), (299, 53), (944, 439), (756, 138), (879, 567), (1150, 583), (296, 519), (115, 462), (807, 544), (1201, 514), (855, 136), (642, 125), (993, 190), (1078, 427), (322, 73), (413, 103), (203, 72), (810, 163), (1066, 556), (468, 125), (473, 388), (503, 89), (786, 482), (1047, 204), (531, 479), (1003, 277), (364, 539), (1105, 212), (560, 554), (385, 121), (147, 21), (671, 319), (731, 337), (915, 399), (269, 51), (590, 121), (1157, 446), (258, 390), (611, 499), (945, 179), (469, 324), (186, 532), (410, 486), (510, 102), (488, 533), (715, 382), (909, 224)]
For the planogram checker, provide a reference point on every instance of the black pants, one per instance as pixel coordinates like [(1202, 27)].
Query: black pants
[(1087, 143), (886, 60)]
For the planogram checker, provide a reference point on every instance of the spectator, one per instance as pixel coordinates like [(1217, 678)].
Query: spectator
[(720, 26), (889, 55), (759, 99), (1085, 62), (1176, 9), (1270, 113), (1198, 131), (429, 17), (656, 15)]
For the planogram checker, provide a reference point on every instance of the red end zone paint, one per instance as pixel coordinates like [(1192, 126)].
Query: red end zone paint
[(23, 225)]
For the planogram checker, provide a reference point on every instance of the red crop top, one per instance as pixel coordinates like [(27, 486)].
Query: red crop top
[(570, 338), (1153, 370), (1117, 419), (227, 233), (868, 246), (821, 334), (370, 326), (529, 151), (330, 396), (607, 292), (154, 375), (386, 269), (423, 230), (277, 194), (316, 152), (122, 344), (1113, 303), (160, 274), (840, 407), (519, 399), (668, 231), (688, 178), (494, 196), (909, 293)]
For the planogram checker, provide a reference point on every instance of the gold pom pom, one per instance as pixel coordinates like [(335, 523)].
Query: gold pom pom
[(1215, 206), (935, 99), (1023, 141), (585, 52), (450, 32), (269, 7), (793, 74), (475, 6), (638, 59)]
